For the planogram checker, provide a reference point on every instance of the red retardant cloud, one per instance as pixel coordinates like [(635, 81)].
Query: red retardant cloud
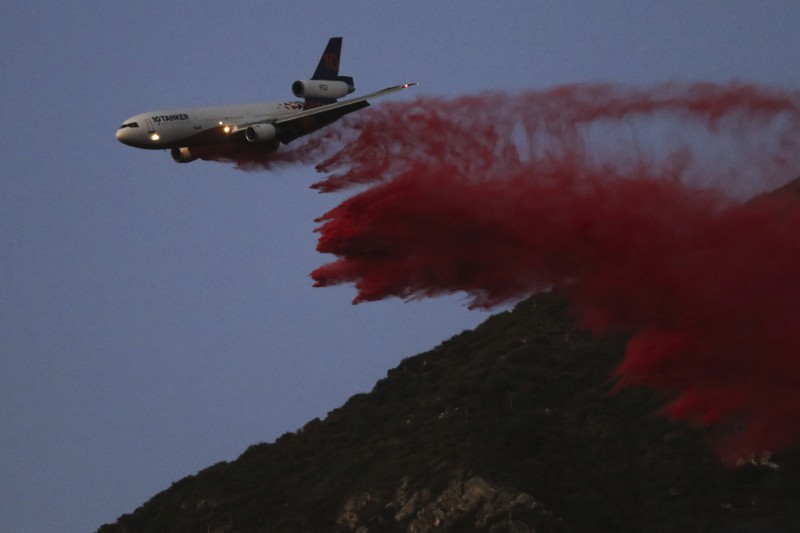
[(603, 193)]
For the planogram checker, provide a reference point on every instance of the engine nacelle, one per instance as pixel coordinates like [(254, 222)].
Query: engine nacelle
[(260, 133), (330, 89), (182, 155)]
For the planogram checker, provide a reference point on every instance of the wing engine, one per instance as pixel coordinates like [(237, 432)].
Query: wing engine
[(182, 155), (260, 133)]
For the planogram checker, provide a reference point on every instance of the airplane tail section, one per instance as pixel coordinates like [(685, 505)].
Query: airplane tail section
[(325, 86)]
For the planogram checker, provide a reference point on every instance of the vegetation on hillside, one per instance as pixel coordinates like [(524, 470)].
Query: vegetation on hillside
[(525, 401)]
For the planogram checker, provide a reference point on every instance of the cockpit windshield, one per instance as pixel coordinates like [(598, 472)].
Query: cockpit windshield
[(130, 125)]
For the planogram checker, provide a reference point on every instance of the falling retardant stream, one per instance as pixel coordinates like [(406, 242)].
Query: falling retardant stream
[(632, 201)]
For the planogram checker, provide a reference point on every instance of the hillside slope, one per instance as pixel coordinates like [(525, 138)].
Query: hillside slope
[(510, 427)]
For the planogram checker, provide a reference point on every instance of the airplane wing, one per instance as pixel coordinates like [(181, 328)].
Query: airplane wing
[(343, 104), (293, 125)]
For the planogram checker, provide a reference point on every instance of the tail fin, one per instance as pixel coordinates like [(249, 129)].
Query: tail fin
[(328, 67)]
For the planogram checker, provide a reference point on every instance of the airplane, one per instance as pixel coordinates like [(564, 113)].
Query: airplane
[(216, 131)]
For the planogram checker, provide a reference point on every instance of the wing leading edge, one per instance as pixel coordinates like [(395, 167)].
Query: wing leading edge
[(344, 103), (294, 125)]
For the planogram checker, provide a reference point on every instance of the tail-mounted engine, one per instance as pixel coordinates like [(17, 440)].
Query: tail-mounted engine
[(324, 89)]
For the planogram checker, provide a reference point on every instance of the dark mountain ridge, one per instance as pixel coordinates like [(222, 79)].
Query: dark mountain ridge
[(510, 427)]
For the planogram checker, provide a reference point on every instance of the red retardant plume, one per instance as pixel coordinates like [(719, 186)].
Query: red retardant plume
[(628, 200)]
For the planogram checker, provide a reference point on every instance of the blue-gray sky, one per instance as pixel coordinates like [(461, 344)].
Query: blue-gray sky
[(158, 318)]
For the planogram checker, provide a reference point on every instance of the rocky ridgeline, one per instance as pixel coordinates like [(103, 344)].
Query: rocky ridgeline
[(472, 500), (512, 427)]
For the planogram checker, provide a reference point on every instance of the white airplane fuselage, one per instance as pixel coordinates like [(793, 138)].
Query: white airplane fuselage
[(175, 128)]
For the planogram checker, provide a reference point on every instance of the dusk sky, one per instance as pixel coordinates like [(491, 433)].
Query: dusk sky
[(158, 318)]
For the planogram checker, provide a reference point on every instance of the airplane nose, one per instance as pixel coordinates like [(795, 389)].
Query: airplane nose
[(124, 135)]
